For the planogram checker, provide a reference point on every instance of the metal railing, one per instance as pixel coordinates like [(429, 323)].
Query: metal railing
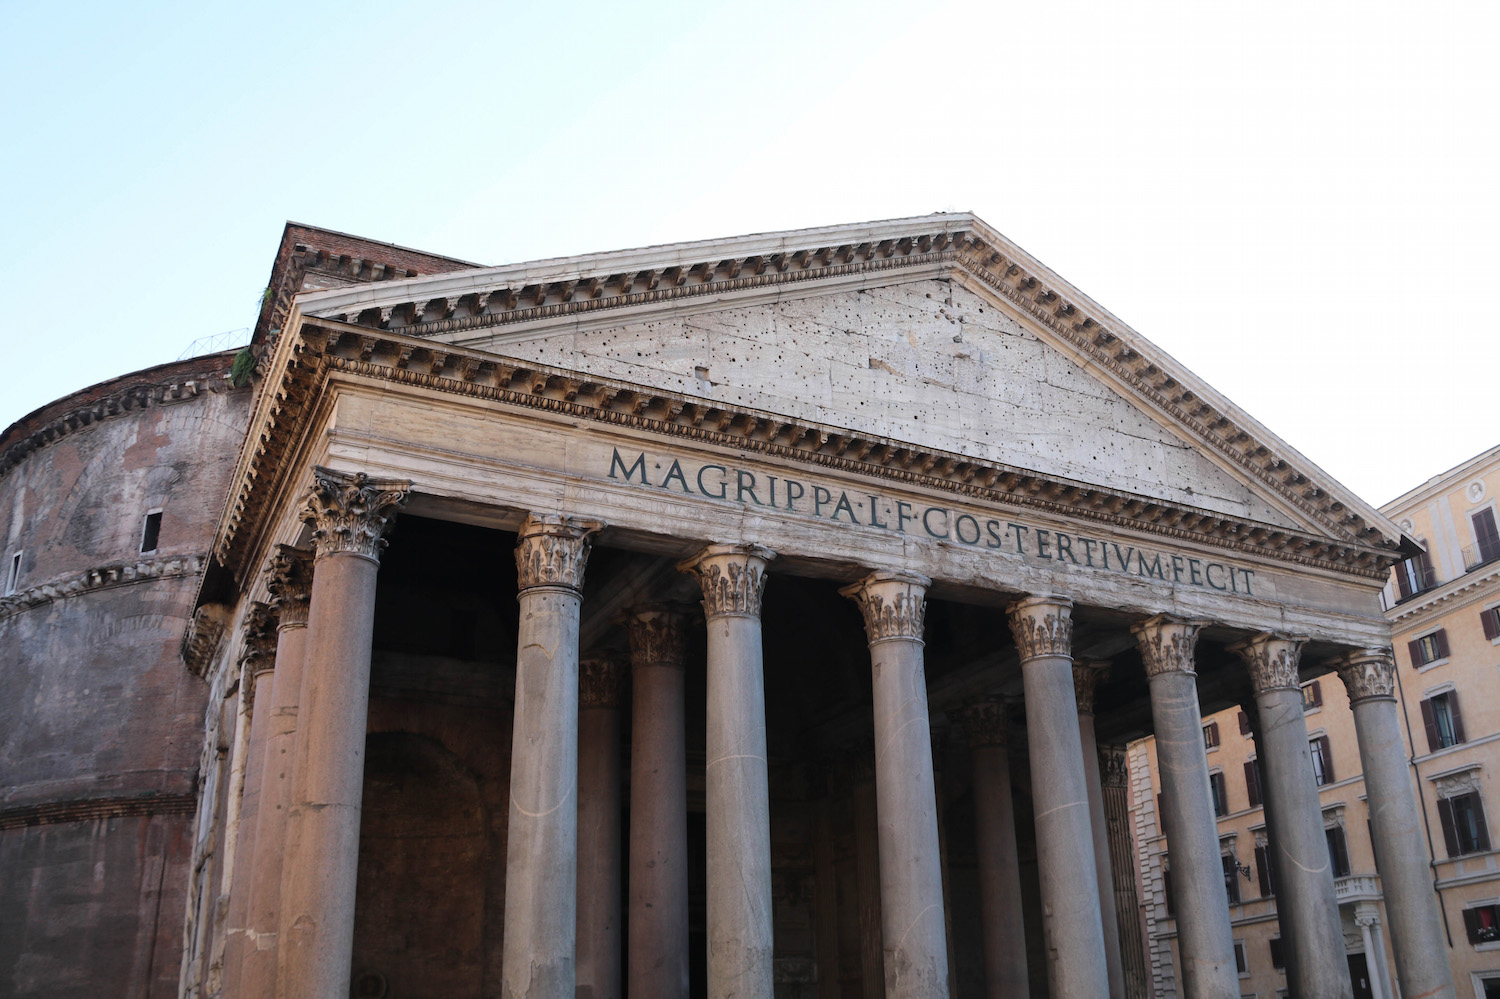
[(1481, 553)]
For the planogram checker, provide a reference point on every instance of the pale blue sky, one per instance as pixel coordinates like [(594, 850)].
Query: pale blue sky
[(1297, 200)]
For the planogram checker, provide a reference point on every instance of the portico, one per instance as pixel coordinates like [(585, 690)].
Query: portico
[(807, 563)]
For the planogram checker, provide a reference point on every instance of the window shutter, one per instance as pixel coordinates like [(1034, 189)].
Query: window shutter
[(1487, 534), (1213, 731), (1458, 719), (1471, 924), (1414, 651), (1491, 621), (1263, 871), (1252, 783), (1231, 880), (1429, 721), (1276, 958), (1244, 723), (1338, 852), (1328, 777), (1315, 693), (1482, 832), (1440, 637), (1450, 835)]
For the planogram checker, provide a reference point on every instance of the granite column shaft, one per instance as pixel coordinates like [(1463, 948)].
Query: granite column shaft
[(737, 783), (1002, 921), (1205, 941), (599, 876), (913, 931), (1043, 631), (1085, 677), (1411, 905), (349, 514), (541, 862)]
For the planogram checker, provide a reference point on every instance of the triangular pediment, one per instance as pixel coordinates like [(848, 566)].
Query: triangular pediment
[(934, 331)]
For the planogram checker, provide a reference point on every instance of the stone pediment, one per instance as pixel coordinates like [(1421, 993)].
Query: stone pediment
[(934, 332)]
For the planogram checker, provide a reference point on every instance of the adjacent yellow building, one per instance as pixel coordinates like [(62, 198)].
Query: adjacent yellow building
[(1444, 610)]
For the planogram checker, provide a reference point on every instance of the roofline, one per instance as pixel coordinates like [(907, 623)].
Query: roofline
[(1441, 481)]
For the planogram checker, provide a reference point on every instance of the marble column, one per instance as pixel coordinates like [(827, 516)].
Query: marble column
[(1205, 941), (658, 963), (290, 584), (1306, 903), (733, 579), (256, 665), (599, 876), (1002, 923), (1043, 630), (1405, 871), (1086, 676), (541, 857), (1366, 916), (349, 514), (913, 935)]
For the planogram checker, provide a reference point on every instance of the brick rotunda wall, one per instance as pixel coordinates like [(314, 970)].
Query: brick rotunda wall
[(100, 722)]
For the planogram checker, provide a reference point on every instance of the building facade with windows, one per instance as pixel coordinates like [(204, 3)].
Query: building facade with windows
[(759, 617), (1443, 605)]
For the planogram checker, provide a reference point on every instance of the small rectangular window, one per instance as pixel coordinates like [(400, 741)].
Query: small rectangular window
[(1338, 851), (1489, 619), (1263, 871), (1277, 961), (1252, 782), (1322, 760), (1482, 923), (1486, 538), (1240, 964), (1312, 696), (1415, 575), (1428, 648), (13, 575), (1220, 792), (1211, 735), (1442, 720), (1464, 828), (151, 531), (1231, 879)]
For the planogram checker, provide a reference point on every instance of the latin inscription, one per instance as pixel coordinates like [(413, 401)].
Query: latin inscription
[(941, 523)]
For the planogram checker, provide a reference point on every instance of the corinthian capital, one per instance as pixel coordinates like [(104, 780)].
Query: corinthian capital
[(258, 654), (658, 635), (350, 512), (894, 604), (1086, 677), (1272, 660), (986, 723), (289, 578), (599, 677), (1042, 626), (553, 550), (1368, 673), (733, 578), (1167, 644)]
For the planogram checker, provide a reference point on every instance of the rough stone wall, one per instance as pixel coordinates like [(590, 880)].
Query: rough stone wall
[(100, 724)]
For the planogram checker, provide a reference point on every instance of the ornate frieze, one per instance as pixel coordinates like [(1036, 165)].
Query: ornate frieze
[(1455, 783), (733, 578), (1086, 677), (553, 550), (986, 722), (350, 512), (1167, 644), (600, 677), (1368, 673), (658, 635), (1272, 660), (1114, 767), (289, 580), (894, 604), (1042, 626)]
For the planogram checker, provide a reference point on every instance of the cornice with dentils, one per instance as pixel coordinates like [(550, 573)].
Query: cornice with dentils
[(485, 301)]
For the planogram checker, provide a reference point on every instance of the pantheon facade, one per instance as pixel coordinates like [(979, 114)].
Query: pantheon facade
[(754, 617)]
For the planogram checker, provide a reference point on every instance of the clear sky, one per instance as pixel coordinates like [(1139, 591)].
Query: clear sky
[(1297, 200)]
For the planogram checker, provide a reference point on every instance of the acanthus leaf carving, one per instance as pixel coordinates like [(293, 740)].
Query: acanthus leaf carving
[(894, 605), (553, 550), (350, 512), (600, 677), (1273, 660), (658, 635), (1368, 673), (289, 580), (1167, 644), (1086, 677), (733, 578), (986, 722), (1042, 626)]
